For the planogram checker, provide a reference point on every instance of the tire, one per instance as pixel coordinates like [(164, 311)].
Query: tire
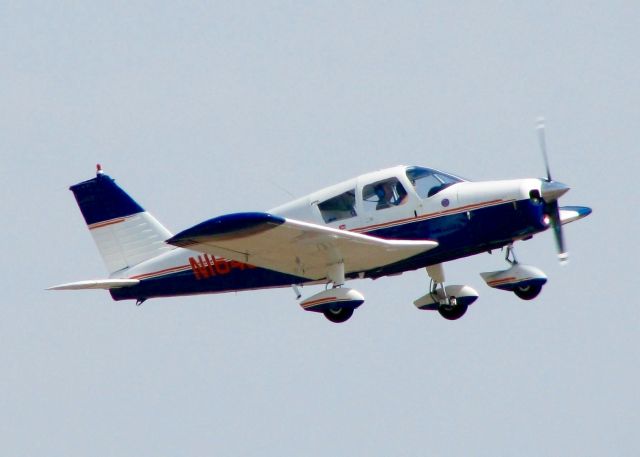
[(338, 315), (528, 292), (452, 313)]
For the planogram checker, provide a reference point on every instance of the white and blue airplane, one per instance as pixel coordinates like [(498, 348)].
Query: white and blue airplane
[(378, 224)]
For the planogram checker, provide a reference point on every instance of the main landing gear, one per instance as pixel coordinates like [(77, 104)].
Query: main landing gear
[(525, 281), (452, 310), (451, 301), (337, 303), (339, 314)]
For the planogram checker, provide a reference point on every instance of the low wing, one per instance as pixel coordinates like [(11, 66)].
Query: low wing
[(573, 213), (97, 284), (294, 247)]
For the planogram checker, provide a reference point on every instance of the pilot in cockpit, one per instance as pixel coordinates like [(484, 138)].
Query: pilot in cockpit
[(390, 193), (384, 194)]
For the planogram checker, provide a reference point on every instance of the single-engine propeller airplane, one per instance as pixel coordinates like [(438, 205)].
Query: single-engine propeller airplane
[(378, 224)]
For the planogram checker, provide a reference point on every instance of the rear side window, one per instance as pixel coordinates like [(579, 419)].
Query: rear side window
[(339, 207)]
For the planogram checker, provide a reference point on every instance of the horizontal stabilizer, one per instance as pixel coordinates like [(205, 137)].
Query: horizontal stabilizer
[(97, 284), (294, 247)]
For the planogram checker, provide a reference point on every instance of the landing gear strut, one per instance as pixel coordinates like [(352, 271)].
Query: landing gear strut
[(510, 256)]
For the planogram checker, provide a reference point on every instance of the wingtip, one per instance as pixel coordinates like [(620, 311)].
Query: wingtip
[(234, 225)]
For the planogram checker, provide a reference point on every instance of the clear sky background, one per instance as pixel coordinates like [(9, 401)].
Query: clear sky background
[(207, 108)]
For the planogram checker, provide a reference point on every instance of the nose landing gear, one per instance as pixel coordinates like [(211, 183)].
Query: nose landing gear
[(528, 292), (525, 281)]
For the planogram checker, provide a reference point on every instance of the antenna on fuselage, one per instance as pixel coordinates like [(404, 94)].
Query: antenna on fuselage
[(282, 188)]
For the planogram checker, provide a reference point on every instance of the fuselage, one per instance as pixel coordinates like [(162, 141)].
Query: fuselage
[(409, 203)]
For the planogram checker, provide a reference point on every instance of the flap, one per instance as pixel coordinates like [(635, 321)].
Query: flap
[(294, 247)]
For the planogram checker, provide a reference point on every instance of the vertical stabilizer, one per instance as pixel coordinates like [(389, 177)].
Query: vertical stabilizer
[(123, 231)]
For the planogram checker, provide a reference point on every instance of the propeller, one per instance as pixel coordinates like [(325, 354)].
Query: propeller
[(551, 191)]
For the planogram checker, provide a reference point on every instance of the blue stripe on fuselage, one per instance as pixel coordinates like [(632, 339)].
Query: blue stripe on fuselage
[(186, 283), (458, 235)]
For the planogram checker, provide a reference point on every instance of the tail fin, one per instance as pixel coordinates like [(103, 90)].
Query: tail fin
[(123, 231)]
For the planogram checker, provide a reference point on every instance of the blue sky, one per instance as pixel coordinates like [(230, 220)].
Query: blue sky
[(208, 108)]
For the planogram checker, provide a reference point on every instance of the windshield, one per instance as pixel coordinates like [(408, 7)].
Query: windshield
[(428, 182)]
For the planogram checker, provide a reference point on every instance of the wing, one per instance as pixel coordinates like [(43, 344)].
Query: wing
[(573, 213), (294, 247)]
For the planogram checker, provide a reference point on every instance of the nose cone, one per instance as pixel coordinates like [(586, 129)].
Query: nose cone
[(553, 190)]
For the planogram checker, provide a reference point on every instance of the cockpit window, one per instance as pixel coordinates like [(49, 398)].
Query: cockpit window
[(428, 182), (339, 207), (383, 194)]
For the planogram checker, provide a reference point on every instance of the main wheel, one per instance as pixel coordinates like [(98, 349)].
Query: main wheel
[(338, 315), (528, 292), (452, 312)]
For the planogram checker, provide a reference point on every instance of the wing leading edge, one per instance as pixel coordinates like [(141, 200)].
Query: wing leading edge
[(294, 247)]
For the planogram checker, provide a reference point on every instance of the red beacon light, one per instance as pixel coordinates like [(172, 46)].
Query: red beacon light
[(99, 169)]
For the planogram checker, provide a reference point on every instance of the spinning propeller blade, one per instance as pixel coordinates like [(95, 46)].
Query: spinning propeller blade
[(543, 146), (551, 191), (556, 225)]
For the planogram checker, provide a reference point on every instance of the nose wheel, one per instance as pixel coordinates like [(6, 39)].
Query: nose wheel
[(528, 292), (525, 291)]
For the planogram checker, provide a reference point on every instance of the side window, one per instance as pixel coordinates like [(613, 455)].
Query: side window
[(383, 194), (340, 207)]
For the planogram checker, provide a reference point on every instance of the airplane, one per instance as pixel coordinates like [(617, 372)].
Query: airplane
[(378, 224)]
